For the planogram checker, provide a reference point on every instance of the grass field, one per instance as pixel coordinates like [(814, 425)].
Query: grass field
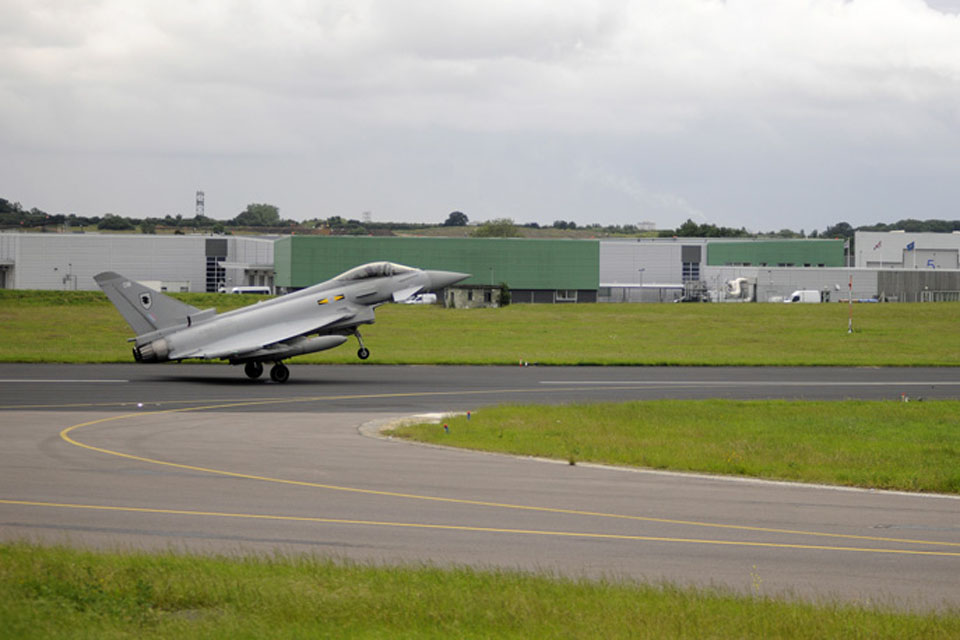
[(56, 592), (913, 446), (83, 327), (64, 593)]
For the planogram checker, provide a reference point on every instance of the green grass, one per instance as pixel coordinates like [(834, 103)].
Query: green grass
[(912, 446), (83, 327), (63, 593)]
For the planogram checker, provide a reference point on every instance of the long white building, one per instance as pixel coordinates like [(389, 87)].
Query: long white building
[(197, 263)]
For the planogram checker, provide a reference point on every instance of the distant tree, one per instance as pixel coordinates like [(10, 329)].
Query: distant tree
[(504, 298), (691, 229), (111, 222), (339, 226), (456, 219), (499, 228), (148, 227), (688, 229), (258, 215), (839, 230), (201, 221)]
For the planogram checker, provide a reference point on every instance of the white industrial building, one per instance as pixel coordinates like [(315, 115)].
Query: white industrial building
[(890, 266), (194, 263), (903, 250), (649, 269)]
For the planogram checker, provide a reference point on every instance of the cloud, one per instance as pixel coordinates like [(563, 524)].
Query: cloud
[(307, 78)]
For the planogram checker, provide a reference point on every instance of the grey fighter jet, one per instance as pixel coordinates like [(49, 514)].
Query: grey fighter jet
[(313, 319)]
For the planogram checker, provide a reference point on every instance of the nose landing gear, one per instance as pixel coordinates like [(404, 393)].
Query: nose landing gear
[(363, 353)]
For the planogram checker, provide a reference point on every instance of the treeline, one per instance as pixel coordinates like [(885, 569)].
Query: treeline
[(266, 218), (262, 217)]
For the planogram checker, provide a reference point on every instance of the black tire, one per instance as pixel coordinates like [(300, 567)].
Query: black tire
[(253, 370), (279, 373), (363, 353)]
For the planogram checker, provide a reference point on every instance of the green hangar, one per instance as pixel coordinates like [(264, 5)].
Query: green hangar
[(535, 270), (776, 253)]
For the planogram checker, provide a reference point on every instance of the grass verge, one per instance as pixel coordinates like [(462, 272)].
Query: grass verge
[(64, 593), (912, 446), (59, 326)]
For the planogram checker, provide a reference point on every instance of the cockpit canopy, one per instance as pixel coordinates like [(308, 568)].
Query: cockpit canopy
[(374, 270)]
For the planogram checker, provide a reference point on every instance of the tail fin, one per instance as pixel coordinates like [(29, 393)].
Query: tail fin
[(144, 309)]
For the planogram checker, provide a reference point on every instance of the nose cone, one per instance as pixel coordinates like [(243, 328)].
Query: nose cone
[(440, 279)]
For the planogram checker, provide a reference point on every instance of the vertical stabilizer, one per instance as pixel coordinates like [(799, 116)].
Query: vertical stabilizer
[(144, 309)]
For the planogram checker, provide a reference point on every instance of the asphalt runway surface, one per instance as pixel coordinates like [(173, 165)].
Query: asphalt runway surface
[(198, 458)]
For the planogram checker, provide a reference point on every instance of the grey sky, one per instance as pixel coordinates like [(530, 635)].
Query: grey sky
[(795, 113)]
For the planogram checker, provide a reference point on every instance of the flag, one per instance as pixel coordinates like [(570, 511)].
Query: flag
[(910, 246), (877, 246)]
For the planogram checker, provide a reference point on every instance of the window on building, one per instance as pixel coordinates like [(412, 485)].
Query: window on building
[(691, 271), (566, 295)]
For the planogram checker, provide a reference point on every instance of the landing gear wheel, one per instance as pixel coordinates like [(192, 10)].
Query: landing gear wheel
[(363, 353), (253, 370), (279, 373)]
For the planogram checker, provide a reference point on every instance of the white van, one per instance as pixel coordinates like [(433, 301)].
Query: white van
[(804, 295), (261, 291), (422, 298)]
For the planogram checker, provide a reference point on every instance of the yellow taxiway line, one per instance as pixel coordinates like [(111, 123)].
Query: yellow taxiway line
[(65, 434)]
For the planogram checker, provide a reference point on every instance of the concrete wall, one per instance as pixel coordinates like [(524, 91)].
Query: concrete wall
[(919, 285)]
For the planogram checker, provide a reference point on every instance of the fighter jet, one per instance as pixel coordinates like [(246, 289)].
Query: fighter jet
[(313, 319)]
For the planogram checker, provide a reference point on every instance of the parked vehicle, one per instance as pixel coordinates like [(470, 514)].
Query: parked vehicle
[(804, 295), (263, 291), (422, 298)]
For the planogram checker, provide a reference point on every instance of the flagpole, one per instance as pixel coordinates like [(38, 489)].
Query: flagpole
[(850, 307)]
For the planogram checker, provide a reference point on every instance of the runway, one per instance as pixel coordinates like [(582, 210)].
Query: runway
[(198, 458)]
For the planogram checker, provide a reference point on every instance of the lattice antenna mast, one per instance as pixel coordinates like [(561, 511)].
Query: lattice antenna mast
[(200, 203)]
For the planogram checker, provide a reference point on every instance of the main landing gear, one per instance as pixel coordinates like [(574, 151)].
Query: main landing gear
[(363, 353), (278, 373)]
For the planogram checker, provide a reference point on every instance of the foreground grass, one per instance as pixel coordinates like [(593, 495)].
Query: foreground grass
[(50, 326), (912, 446), (63, 593)]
